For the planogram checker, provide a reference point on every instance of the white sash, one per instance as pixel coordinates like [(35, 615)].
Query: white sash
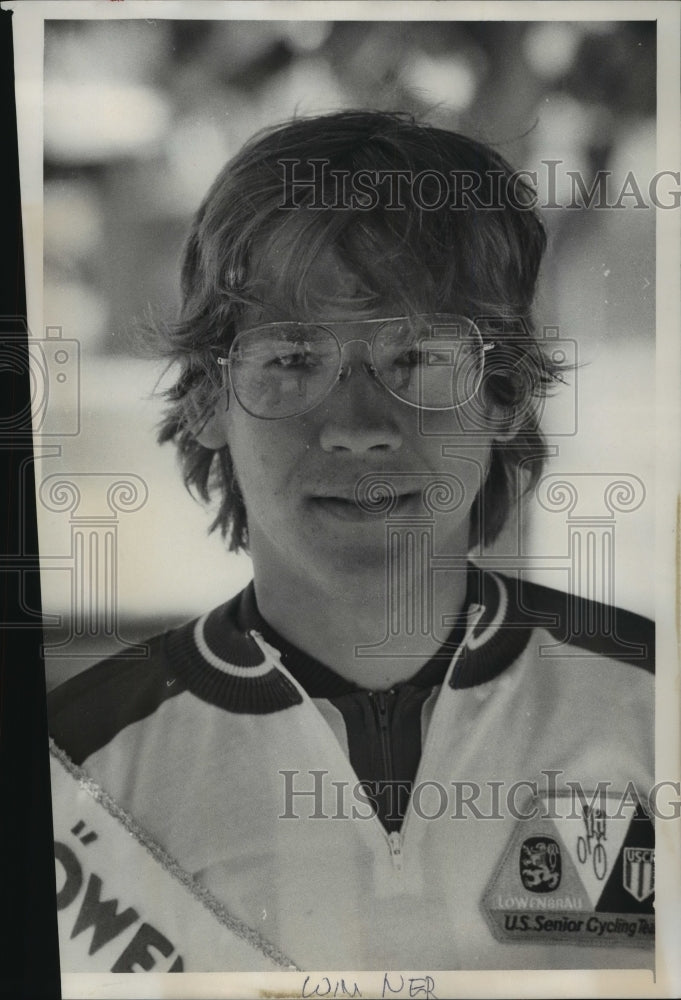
[(124, 905)]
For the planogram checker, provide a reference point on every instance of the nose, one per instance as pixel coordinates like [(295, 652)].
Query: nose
[(357, 415)]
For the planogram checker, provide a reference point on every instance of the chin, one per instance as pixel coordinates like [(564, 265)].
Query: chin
[(347, 558)]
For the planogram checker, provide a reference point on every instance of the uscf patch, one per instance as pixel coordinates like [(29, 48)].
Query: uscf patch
[(639, 872), (581, 870)]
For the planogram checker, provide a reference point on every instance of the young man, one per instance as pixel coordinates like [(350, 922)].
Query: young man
[(378, 755)]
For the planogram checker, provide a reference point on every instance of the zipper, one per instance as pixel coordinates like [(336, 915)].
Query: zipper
[(433, 736), (382, 717), (395, 840), (381, 704)]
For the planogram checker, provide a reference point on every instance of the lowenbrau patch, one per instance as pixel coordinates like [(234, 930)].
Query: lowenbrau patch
[(581, 871)]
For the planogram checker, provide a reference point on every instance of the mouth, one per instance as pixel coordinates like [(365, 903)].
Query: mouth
[(348, 509)]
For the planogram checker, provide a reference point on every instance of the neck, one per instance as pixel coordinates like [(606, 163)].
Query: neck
[(370, 633)]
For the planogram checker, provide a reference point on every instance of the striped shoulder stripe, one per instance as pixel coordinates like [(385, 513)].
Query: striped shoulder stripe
[(208, 657), (89, 710), (511, 609), (588, 627)]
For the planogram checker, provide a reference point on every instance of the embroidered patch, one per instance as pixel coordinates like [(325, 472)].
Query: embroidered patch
[(582, 870)]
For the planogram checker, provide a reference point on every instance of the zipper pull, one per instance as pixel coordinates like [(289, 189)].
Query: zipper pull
[(395, 844)]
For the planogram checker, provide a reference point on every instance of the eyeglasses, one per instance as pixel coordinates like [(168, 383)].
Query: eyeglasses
[(433, 362)]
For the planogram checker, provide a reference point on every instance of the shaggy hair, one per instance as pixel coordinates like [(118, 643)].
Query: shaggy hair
[(476, 256)]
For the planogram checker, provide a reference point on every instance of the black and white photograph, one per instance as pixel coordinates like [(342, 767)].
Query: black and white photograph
[(352, 336)]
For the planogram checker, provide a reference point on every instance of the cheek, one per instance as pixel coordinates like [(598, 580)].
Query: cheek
[(461, 467), (262, 456)]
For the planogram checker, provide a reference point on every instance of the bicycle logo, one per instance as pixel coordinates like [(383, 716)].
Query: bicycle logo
[(590, 843)]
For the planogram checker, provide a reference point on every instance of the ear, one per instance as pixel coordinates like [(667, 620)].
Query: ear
[(211, 430), (213, 433)]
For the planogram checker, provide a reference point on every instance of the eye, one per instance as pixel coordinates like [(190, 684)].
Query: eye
[(293, 356), (298, 360), (412, 356)]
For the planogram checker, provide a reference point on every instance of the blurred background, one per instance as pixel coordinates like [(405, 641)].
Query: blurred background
[(140, 115)]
